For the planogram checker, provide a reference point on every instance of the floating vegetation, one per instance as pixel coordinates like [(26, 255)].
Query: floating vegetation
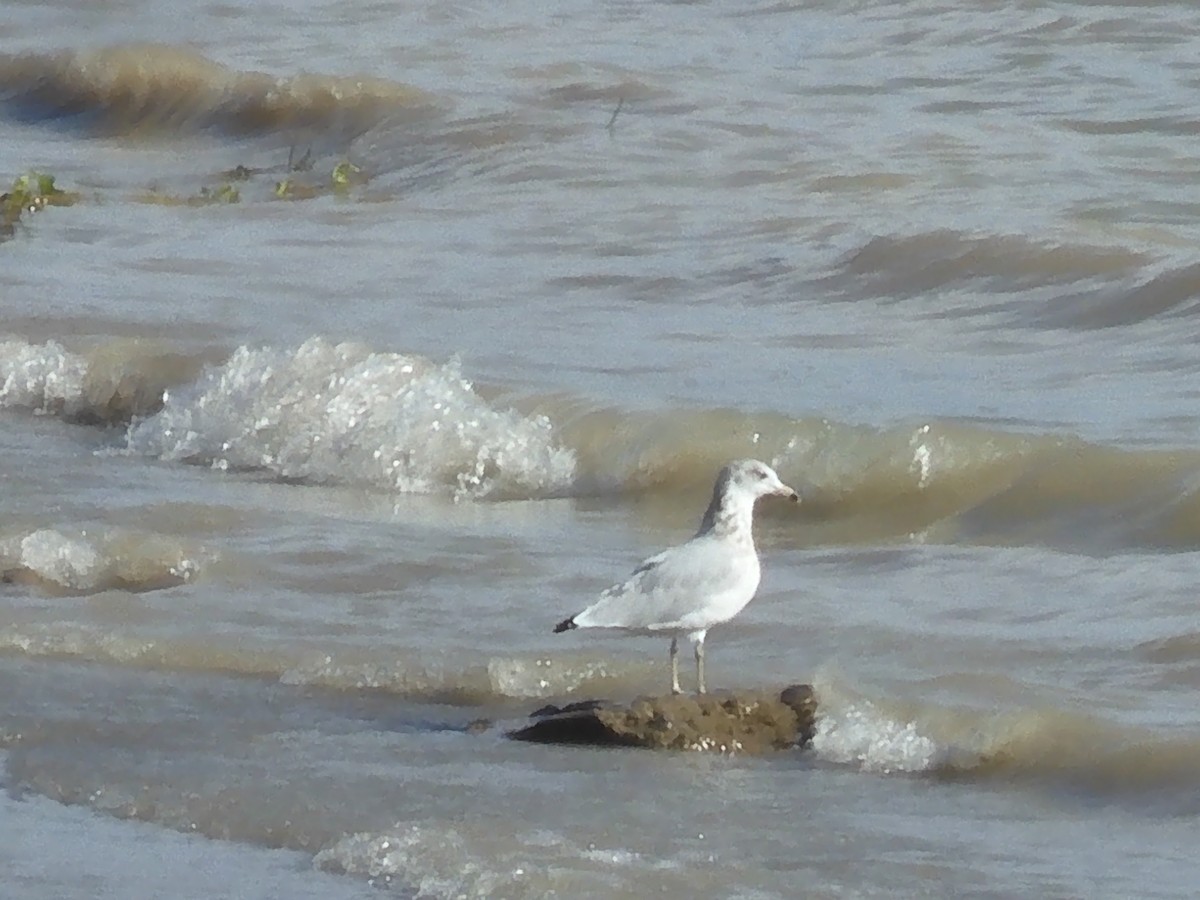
[(298, 183), (291, 189), (345, 175), (225, 193), (35, 190), (30, 193)]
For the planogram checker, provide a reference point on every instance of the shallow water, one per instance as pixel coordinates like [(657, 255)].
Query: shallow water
[(296, 487)]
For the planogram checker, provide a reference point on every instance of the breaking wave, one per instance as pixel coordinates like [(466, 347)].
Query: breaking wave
[(82, 561), (349, 415), (106, 385), (1062, 750), (496, 681), (148, 88), (341, 413)]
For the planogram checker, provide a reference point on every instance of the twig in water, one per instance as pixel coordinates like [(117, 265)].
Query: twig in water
[(616, 112)]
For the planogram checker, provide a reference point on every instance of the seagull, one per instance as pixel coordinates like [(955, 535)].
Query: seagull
[(686, 590)]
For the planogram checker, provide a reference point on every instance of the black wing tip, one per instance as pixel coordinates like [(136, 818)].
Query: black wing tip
[(565, 625)]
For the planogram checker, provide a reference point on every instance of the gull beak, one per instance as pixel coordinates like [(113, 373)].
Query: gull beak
[(783, 490)]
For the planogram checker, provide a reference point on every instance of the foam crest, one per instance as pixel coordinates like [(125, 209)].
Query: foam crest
[(434, 862), (44, 378), (106, 384), (70, 562), (85, 562), (489, 858), (342, 414), (859, 734), (1054, 747)]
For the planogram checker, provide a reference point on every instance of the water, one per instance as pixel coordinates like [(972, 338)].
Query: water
[(296, 487)]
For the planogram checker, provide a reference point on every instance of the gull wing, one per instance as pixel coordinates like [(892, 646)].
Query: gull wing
[(677, 589)]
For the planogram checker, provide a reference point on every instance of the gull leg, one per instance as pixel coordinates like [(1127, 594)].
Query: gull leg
[(700, 667), (675, 689)]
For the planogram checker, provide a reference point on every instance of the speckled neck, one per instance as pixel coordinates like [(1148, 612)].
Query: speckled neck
[(730, 513)]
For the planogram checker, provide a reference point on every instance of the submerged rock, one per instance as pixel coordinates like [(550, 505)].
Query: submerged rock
[(753, 722)]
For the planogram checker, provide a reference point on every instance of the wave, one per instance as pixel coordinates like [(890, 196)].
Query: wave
[(428, 855), (916, 265), (106, 385), (342, 814), (151, 88), (497, 681), (500, 679), (341, 413), (477, 860), (348, 415), (320, 413), (1170, 293), (189, 778), (941, 481), (83, 561), (1084, 755), (1062, 285)]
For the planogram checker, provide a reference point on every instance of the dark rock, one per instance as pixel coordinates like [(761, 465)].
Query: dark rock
[(753, 722), (803, 701), (551, 710)]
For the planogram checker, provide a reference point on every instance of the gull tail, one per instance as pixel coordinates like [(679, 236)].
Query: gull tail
[(565, 625)]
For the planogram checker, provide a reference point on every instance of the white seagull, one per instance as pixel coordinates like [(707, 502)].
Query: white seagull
[(690, 588)]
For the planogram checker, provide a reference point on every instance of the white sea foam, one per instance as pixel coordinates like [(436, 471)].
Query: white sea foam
[(343, 414), (79, 560), (434, 861), (853, 730), (860, 735), (44, 378), (72, 562), (483, 860)]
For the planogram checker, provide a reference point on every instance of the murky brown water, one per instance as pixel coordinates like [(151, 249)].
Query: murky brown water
[(295, 487)]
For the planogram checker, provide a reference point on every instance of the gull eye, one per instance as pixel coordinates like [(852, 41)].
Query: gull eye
[(760, 474)]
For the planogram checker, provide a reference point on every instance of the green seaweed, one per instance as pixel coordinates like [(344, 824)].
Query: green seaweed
[(344, 174), (30, 193), (291, 189), (225, 193), (36, 190)]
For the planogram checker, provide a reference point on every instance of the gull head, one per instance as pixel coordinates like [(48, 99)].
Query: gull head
[(750, 476)]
